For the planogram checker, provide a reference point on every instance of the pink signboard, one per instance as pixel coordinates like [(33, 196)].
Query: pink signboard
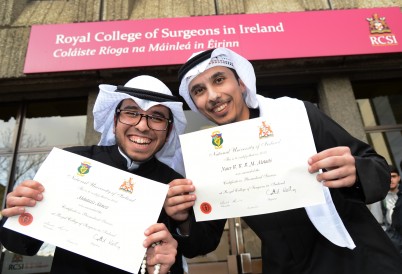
[(171, 41)]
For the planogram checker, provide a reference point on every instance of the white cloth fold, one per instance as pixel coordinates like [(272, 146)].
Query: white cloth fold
[(327, 221)]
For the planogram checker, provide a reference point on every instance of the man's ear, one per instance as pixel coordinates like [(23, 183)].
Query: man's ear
[(114, 124), (242, 86)]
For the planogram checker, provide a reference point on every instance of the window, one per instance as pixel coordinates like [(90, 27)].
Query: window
[(28, 131), (381, 110)]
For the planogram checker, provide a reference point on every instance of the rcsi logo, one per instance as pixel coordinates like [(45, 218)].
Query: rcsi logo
[(381, 34), (17, 263)]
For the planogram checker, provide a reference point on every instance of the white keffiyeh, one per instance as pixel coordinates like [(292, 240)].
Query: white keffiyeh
[(108, 99)]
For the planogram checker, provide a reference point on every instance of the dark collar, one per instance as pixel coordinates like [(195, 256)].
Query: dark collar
[(254, 113)]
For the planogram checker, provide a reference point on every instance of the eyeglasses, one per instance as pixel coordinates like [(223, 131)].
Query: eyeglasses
[(131, 118)]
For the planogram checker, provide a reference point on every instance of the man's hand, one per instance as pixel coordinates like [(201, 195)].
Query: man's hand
[(339, 164), (164, 253), (28, 193), (179, 200)]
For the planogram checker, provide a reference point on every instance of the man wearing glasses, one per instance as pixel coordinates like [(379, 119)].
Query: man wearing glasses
[(140, 123)]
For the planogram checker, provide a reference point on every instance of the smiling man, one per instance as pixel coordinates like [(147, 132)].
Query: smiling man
[(140, 135), (140, 123), (222, 104), (221, 85)]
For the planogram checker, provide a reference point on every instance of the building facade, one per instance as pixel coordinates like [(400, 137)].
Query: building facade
[(362, 92)]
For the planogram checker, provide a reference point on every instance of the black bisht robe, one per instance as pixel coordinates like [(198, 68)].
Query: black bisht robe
[(290, 244)]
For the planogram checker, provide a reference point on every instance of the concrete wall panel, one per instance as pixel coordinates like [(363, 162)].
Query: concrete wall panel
[(143, 9), (263, 6), (352, 4), (13, 45), (10, 9), (230, 7)]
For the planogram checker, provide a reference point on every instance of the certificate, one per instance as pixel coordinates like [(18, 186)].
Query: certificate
[(92, 209), (252, 167)]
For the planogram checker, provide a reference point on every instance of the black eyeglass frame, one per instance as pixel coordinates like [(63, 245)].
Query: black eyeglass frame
[(169, 121)]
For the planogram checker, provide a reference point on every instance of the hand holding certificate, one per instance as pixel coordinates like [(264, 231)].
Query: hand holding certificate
[(92, 209), (252, 167)]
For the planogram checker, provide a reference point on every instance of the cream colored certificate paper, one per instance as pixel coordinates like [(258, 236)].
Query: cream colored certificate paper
[(92, 209), (251, 167)]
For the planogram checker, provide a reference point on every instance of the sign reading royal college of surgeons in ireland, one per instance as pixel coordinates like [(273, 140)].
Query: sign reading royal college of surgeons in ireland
[(168, 41)]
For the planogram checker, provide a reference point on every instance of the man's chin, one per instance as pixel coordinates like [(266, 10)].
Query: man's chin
[(224, 121), (139, 159)]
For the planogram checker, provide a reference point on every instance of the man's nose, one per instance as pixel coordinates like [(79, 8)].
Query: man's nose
[(142, 124), (213, 94)]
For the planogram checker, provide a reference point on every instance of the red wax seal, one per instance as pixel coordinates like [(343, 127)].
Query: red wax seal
[(25, 219), (206, 208)]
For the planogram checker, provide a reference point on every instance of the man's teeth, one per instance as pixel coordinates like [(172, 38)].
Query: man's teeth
[(221, 107), (140, 141)]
